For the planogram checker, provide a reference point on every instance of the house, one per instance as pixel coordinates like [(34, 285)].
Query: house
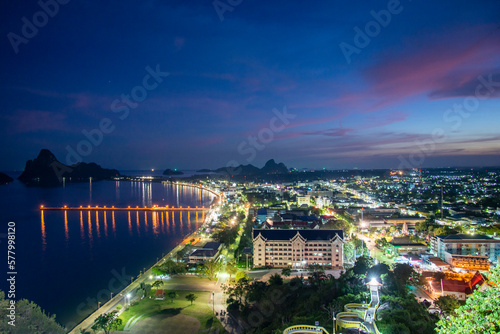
[(160, 294), (437, 263), (261, 214), (459, 288), (209, 252), (407, 247)]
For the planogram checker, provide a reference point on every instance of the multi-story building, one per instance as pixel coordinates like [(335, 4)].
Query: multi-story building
[(304, 200), (472, 262), (445, 246), (298, 248)]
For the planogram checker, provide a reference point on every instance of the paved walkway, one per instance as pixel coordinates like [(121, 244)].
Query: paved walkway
[(120, 298)]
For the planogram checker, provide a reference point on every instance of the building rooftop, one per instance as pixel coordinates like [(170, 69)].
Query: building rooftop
[(309, 235), (451, 237), (403, 244), (438, 262), (212, 245), (204, 252)]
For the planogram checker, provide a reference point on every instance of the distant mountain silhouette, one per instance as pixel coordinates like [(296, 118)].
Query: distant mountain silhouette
[(204, 170), (4, 178), (271, 167), (168, 171), (47, 171)]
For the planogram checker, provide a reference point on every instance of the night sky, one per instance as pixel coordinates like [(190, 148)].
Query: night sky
[(202, 84)]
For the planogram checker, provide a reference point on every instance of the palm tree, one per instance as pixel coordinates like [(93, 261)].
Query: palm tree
[(191, 297)]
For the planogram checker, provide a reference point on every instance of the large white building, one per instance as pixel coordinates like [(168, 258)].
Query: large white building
[(445, 246), (304, 200), (298, 248)]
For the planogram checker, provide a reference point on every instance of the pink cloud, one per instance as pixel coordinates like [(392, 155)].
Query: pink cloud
[(434, 66), (37, 120), (88, 103)]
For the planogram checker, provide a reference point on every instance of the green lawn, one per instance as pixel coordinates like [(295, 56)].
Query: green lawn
[(151, 307), (185, 280)]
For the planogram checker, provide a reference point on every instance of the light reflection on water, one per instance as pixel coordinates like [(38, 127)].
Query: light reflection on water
[(77, 248), (94, 228)]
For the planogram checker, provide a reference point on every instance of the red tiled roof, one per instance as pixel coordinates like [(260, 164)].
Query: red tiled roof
[(455, 286), (476, 279), (460, 286)]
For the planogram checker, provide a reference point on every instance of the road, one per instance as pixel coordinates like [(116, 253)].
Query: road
[(422, 294), (374, 251), (121, 298)]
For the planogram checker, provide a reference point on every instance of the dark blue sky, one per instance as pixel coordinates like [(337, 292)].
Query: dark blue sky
[(289, 80)]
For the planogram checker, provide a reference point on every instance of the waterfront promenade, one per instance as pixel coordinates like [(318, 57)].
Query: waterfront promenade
[(121, 297)]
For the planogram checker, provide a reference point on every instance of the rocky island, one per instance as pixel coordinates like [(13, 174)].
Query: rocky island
[(168, 171), (4, 178), (47, 171)]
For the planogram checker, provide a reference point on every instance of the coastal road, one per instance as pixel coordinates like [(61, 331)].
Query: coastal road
[(120, 298)]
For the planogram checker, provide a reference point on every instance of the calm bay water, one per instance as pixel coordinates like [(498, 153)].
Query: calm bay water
[(68, 261)]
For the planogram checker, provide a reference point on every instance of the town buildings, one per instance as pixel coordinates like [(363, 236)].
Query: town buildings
[(210, 251), (447, 247), (298, 248)]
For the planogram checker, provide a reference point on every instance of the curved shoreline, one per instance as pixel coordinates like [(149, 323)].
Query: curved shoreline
[(120, 298)]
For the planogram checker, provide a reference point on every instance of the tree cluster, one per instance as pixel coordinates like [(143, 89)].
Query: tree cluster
[(29, 318), (170, 267), (481, 312)]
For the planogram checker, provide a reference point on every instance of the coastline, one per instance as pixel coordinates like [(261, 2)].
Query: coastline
[(120, 297)]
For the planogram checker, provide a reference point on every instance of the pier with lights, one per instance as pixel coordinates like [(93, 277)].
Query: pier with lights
[(129, 208)]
